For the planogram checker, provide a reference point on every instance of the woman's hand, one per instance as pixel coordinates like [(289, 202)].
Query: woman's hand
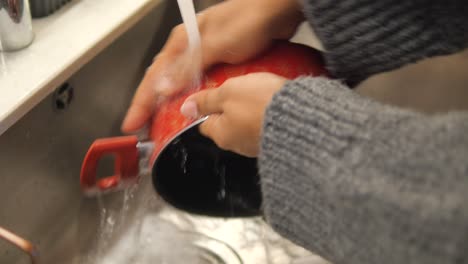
[(236, 111), (231, 32)]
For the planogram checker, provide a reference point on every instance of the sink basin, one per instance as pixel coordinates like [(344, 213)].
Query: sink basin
[(40, 161)]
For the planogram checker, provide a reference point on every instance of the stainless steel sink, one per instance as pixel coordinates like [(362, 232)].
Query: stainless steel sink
[(40, 160)]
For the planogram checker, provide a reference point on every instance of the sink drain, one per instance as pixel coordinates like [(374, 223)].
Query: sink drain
[(63, 96)]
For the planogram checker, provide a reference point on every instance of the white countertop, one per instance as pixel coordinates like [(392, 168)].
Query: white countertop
[(64, 41)]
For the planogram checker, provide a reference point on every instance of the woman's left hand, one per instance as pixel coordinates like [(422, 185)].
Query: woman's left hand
[(236, 111)]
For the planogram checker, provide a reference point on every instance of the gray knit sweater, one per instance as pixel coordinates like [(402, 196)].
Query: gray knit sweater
[(357, 181)]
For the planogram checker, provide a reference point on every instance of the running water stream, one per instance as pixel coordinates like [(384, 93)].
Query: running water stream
[(189, 17), (134, 227), (146, 238)]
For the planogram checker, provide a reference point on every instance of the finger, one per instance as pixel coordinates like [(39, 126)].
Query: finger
[(172, 70), (177, 45), (165, 71), (217, 129), (136, 118), (145, 99), (155, 83), (203, 103), (213, 51)]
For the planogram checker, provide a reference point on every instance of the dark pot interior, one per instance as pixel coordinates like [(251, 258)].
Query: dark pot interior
[(194, 175)]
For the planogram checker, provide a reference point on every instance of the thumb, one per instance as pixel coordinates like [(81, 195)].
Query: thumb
[(203, 103), (215, 128)]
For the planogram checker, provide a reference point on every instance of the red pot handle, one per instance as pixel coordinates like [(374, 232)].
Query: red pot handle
[(125, 168)]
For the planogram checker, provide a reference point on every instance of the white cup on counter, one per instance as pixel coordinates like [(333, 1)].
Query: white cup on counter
[(15, 25)]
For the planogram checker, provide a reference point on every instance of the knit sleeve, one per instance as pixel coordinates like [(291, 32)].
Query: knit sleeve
[(360, 182), (365, 37)]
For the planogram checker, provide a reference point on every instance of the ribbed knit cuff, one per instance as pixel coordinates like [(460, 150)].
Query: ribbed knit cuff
[(308, 127), (357, 181), (366, 37), (321, 114)]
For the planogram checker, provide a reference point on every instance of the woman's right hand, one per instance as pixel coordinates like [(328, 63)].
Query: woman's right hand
[(231, 32)]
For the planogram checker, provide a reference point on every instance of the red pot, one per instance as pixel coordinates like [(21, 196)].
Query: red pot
[(169, 127)]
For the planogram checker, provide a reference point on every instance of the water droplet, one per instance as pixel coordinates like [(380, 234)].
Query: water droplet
[(110, 221), (221, 172), (184, 159)]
